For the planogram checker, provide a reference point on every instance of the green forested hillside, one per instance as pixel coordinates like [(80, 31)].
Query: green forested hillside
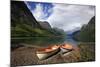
[(86, 37), (87, 32), (24, 24)]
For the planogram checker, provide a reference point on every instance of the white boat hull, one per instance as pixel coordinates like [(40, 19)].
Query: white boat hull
[(43, 56)]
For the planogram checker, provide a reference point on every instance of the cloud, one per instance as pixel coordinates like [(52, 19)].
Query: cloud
[(64, 16), (68, 17), (38, 12), (41, 11)]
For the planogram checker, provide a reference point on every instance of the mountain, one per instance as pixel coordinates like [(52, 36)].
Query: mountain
[(75, 32), (44, 24), (22, 20), (87, 32), (21, 14), (71, 32), (23, 23)]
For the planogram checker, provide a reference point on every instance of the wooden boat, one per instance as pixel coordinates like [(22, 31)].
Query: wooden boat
[(65, 48), (45, 53)]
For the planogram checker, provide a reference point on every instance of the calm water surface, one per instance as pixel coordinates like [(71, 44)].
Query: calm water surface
[(44, 41)]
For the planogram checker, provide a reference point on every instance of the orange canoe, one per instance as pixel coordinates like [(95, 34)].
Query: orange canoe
[(45, 53)]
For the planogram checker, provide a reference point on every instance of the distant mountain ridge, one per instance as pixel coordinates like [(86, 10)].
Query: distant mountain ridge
[(44, 24)]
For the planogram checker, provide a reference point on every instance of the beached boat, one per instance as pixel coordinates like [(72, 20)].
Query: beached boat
[(45, 53), (65, 48)]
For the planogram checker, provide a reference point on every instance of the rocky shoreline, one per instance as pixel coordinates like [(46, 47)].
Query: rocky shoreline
[(27, 56)]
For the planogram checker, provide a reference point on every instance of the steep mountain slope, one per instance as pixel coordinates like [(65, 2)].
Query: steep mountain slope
[(44, 24), (23, 23), (87, 32), (21, 14), (22, 20)]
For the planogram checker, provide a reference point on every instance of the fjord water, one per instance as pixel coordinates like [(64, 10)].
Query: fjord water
[(44, 41)]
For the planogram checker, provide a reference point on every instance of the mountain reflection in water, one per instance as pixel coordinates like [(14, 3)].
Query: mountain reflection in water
[(44, 41)]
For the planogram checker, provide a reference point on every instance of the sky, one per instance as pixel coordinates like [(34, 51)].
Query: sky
[(68, 17)]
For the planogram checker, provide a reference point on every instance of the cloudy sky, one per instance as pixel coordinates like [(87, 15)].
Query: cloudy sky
[(64, 16)]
